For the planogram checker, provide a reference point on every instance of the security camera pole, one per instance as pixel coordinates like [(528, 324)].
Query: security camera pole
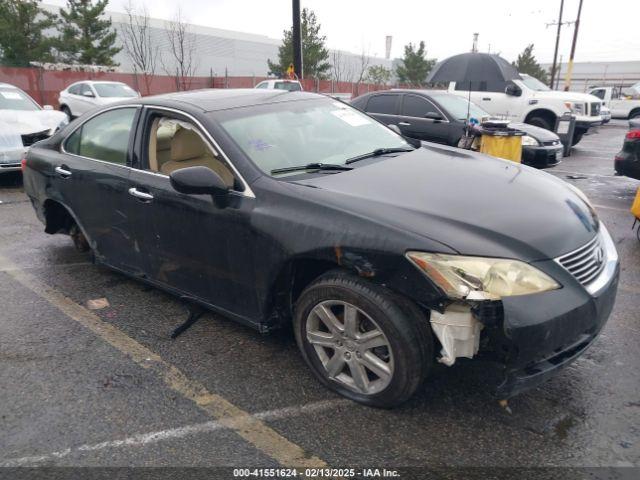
[(567, 79), (297, 40)]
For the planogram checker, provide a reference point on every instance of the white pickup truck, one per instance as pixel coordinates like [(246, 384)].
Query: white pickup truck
[(530, 101), (620, 105)]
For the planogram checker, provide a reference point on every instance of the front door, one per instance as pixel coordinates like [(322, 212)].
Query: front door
[(414, 121), (91, 173), (199, 245)]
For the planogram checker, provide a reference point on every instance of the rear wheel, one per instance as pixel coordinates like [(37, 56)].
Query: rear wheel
[(64, 109), (634, 114), (361, 341)]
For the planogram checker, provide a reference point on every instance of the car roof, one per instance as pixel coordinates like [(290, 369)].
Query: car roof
[(214, 99)]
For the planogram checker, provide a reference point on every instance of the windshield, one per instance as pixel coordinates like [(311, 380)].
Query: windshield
[(114, 90), (534, 84), (289, 134), (289, 86), (458, 107), (14, 99)]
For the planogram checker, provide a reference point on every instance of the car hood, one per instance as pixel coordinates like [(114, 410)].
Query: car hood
[(567, 96), (25, 122), (540, 134), (474, 204)]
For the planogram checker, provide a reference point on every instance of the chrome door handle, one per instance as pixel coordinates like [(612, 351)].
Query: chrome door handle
[(404, 124), (141, 195), (62, 172)]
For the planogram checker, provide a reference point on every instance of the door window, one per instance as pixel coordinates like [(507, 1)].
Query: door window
[(262, 85), (175, 144), (385, 104), (84, 88), (75, 89), (418, 107), (105, 137)]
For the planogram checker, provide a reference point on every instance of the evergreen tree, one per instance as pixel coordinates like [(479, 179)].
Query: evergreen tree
[(415, 66), (314, 52), (378, 74), (22, 23), (528, 64), (86, 38)]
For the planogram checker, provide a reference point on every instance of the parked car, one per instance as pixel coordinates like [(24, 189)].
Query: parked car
[(440, 117), (22, 123), (627, 161), (293, 208), (281, 84), (80, 97), (620, 105), (497, 87)]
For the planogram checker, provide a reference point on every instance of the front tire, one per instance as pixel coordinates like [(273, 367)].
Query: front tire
[(541, 122), (362, 341), (67, 111)]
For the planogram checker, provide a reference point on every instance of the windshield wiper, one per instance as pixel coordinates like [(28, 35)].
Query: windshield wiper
[(377, 152), (312, 166)]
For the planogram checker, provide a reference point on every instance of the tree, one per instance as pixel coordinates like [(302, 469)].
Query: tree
[(22, 23), (340, 67), (378, 74), (85, 36), (138, 43), (528, 64), (181, 63), (314, 52), (415, 66)]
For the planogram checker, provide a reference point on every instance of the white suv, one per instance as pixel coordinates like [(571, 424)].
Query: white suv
[(281, 84), (80, 97)]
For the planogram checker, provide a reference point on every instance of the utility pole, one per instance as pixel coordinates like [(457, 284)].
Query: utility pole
[(297, 40), (567, 79), (555, 53)]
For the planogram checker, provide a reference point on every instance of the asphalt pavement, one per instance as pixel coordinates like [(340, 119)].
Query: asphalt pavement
[(108, 387)]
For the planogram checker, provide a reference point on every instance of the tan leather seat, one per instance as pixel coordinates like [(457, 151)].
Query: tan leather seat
[(189, 150)]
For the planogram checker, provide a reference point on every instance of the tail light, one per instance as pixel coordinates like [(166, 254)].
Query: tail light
[(633, 135), (23, 164)]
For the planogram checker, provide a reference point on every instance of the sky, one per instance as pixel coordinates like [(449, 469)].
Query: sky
[(609, 30)]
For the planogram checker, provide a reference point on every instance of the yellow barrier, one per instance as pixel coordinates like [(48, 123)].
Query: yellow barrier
[(507, 147), (635, 208)]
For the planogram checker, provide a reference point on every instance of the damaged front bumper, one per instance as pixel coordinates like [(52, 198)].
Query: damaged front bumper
[(531, 337)]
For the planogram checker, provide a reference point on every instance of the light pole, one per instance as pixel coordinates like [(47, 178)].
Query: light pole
[(297, 40), (555, 53), (567, 79)]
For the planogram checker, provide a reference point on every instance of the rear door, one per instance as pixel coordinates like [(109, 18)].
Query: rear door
[(414, 122), (91, 174), (82, 102), (385, 107)]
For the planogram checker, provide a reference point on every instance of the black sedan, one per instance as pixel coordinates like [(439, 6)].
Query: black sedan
[(627, 161), (276, 208), (440, 117)]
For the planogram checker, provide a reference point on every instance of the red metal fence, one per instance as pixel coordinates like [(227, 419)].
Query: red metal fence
[(45, 85)]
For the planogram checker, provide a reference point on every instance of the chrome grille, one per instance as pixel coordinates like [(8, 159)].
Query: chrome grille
[(585, 263), (595, 109)]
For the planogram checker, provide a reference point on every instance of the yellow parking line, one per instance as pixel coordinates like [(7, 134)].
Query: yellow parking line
[(250, 428)]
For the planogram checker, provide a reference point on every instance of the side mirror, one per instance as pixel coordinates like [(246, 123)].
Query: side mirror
[(395, 128), (513, 90), (88, 94), (433, 116), (197, 181), (47, 107)]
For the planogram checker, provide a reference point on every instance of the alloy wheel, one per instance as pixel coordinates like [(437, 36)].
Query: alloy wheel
[(351, 346)]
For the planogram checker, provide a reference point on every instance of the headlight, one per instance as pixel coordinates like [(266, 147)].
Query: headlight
[(478, 278), (528, 141), (577, 108)]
